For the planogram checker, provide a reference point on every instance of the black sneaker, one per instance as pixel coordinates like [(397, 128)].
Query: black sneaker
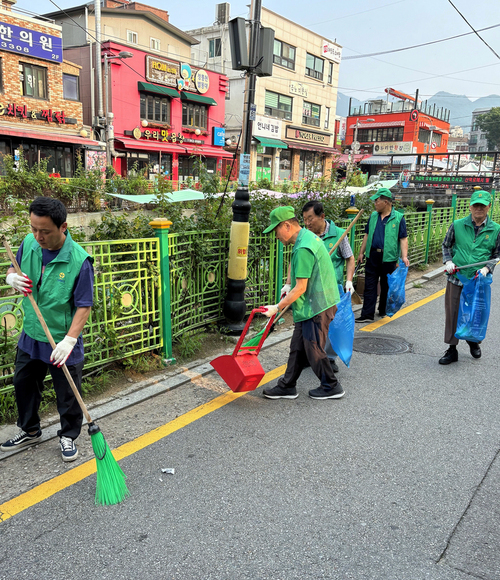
[(322, 393), (22, 439), (69, 451), (450, 356), (334, 365), (278, 392), (475, 349), (364, 319)]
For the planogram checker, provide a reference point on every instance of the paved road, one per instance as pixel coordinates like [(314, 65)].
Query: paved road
[(398, 480)]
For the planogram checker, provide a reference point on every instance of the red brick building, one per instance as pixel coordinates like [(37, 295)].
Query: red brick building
[(40, 110)]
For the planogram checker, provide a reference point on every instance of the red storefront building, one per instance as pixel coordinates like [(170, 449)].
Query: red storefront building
[(165, 113), (397, 134)]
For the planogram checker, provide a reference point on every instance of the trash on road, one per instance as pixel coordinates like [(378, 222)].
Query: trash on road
[(169, 470)]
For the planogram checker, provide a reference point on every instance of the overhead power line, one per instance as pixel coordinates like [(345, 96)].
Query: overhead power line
[(473, 29), (417, 45)]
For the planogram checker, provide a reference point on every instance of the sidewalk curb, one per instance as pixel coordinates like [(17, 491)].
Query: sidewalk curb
[(149, 388)]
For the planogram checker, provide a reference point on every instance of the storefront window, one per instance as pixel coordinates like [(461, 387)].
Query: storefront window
[(285, 163), (166, 164), (194, 116), (310, 165), (155, 109), (187, 168), (264, 165)]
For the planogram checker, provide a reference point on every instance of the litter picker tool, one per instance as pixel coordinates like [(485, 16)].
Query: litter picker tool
[(270, 325), (457, 268), (111, 488)]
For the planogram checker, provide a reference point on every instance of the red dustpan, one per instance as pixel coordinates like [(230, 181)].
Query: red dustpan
[(242, 371)]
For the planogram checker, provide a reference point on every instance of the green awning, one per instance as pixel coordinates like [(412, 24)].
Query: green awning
[(195, 98), (165, 91), (267, 142)]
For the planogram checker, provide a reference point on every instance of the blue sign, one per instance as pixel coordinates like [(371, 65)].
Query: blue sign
[(219, 137), (244, 175), (30, 42)]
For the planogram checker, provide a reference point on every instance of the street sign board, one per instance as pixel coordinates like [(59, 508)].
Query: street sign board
[(450, 180), (253, 111), (244, 176)]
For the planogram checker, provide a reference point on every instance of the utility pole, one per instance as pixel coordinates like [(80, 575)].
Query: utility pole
[(234, 303)]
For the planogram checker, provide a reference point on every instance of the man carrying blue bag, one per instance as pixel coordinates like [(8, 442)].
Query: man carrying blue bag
[(471, 240)]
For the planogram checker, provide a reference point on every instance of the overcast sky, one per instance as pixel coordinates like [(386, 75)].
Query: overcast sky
[(464, 66)]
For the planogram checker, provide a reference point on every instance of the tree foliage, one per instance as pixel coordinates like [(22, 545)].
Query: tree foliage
[(490, 123)]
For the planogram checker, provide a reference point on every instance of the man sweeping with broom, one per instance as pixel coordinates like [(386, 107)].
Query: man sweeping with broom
[(59, 274), (313, 296)]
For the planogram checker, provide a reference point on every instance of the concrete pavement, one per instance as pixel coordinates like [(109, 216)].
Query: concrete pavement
[(398, 480)]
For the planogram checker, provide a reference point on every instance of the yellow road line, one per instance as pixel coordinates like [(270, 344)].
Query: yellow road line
[(383, 321), (48, 488)]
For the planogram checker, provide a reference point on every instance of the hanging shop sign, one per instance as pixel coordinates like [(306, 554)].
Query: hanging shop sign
[(180, 76), (219, 136), (266, 127), (307, 136), (332, 51), (30, 42), (21, 112), (384, 148), (299, 89), (450, 180)]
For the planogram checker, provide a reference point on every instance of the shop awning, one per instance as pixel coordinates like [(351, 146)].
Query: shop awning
[(150, 88), (195, 98), (268, 142), (168, 147), (296, 145), (378, 125), (32, 133), (389, 159), (344, 158)]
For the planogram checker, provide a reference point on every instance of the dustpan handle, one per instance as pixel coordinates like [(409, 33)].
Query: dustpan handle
[(247, 326)]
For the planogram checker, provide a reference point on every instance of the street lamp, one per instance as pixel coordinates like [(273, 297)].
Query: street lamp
[(109, 115)]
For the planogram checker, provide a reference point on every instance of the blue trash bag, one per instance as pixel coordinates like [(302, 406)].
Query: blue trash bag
[(341, 331), (396, 293), (474, 309)]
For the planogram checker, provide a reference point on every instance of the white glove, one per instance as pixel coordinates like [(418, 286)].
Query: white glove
[(271, 310), (20, 283), (349, 287), (484, 271), (62, 351), (450, 267), (284, 291)]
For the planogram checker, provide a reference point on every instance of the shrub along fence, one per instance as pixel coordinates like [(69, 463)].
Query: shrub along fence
[(149, 292)]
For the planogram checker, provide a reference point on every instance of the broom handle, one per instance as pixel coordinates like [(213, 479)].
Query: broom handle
[(47, 332), (346, 232)]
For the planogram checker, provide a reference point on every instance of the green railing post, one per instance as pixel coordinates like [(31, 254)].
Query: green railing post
[(352, 212), (454, 206), (492, 203), (430, 203), (161, 228), (278, 282)]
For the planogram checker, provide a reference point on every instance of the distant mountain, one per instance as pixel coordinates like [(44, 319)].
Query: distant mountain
[(460, 106)]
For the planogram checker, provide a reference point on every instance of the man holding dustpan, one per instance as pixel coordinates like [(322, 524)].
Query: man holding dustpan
[(313, 298), (315, 221), (59, 274)]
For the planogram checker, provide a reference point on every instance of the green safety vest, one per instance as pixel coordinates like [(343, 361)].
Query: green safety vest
[(469, 249), (322, 291), (330, 239), (55, 298), (391, 235)]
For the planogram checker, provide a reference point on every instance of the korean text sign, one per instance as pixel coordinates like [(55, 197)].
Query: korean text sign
[(30, 42)]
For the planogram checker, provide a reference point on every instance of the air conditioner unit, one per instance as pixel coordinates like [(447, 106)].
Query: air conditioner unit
[(222, 13)]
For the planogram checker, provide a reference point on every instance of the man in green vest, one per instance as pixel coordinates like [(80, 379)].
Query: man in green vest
[(314, 220), (313, 297), (475, 238), (384, 241), (59, 274)]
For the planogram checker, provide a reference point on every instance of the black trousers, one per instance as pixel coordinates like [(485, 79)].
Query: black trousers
[(307, 348), (28, 384), (376, 270)]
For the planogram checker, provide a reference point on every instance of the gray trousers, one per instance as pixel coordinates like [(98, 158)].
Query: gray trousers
[(307, 347), (451, 306)]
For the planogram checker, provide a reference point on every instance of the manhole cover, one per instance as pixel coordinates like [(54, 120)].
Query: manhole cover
[(381, 344)]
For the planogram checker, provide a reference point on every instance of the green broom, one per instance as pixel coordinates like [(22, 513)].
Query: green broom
[(256, 339), (111, 488)]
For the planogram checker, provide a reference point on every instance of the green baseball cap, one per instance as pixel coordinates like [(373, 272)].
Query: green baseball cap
[(480, 196), (278, 215), (382, 191)]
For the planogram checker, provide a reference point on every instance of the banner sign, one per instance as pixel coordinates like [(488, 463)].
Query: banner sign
[(446, 180), (180, 76), (332, 51), (388, 147), (30, 42), (267, 127)]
